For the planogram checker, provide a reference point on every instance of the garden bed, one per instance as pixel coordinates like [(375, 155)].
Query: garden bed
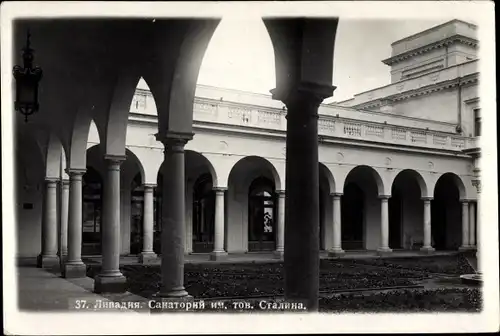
[(450, 265), (247, 280)]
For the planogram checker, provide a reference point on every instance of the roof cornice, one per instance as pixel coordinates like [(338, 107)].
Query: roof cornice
[(423, 91), (429, 47)]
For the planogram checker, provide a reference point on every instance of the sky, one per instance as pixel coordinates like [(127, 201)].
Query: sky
[(361, 44)]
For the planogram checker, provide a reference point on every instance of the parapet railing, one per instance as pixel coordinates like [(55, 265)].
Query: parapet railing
[(338, 127)]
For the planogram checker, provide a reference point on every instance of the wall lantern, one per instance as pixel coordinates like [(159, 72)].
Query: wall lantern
[(27, 78)]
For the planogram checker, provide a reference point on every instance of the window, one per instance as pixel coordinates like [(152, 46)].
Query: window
[(477, 122), (139, 101)]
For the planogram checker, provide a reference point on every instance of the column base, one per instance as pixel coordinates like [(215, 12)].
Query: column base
[(75, 270), (47, 261), (279, 254), (427, 249), (382, 251), (336, 253), (147, 257), (218, 255), (110, 284), (465, 248)]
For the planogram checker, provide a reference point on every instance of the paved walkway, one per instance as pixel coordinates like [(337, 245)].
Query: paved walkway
[(45, 290)]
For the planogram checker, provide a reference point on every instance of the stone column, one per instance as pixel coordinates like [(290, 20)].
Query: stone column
[(110, 279), (64, 217), (337, 228), (147, 255), (472, 225), (173, 216), (301, 256), (384, 225), (48, 256), (427, 248), (218, 252), (465, 225), (74, 266), (280, 241)]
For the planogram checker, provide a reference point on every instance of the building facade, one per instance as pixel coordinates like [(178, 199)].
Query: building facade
[(398, 165)]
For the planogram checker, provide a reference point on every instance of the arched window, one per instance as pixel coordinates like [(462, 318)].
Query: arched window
[(261, 215)]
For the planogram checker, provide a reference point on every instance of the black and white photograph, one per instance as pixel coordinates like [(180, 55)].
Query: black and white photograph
[(242, 167)]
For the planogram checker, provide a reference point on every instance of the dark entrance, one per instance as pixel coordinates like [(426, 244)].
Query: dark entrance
[(92, 210), (261, 215), (353, 214), (395, 219), (203, 215)]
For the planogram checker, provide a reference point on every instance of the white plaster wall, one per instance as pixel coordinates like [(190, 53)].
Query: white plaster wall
[(29, 222)]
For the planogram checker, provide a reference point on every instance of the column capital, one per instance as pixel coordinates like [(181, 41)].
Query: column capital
[(303, 92), (75, 171), (115, 159), (465, 200), (51, 180), (280, 193), (384, 197), (219, 190), (174, 141), (336, 194), (149, 186), (427, 198)]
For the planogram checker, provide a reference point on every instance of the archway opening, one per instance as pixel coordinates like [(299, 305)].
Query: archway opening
[(352, 217), (446, 216), (203, 214), (326, 187), (406, 212), (92, 211), (252, 205), (261, 215), (361, 209)]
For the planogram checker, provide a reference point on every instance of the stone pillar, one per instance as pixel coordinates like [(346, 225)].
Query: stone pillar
[(472, 225), (337, 227), (48, 255), (173, 216), (147, 255), (110, 279), (427, 248), (465, 225), (74, 266), (218, 252), (384, 225), (301, 256), (64, 217), (280, 241)]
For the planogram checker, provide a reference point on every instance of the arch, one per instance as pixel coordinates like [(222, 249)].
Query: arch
[(77, 157), (117, 116), (364, 170), (326, 173), (415, 175), (55, 157), (135, 159), (258, 161), (192, 155), (456, 180)]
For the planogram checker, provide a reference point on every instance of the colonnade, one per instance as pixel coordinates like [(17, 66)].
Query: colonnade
[(55, 242)]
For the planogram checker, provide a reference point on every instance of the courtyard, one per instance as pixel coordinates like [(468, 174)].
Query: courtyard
[(362, 284)]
